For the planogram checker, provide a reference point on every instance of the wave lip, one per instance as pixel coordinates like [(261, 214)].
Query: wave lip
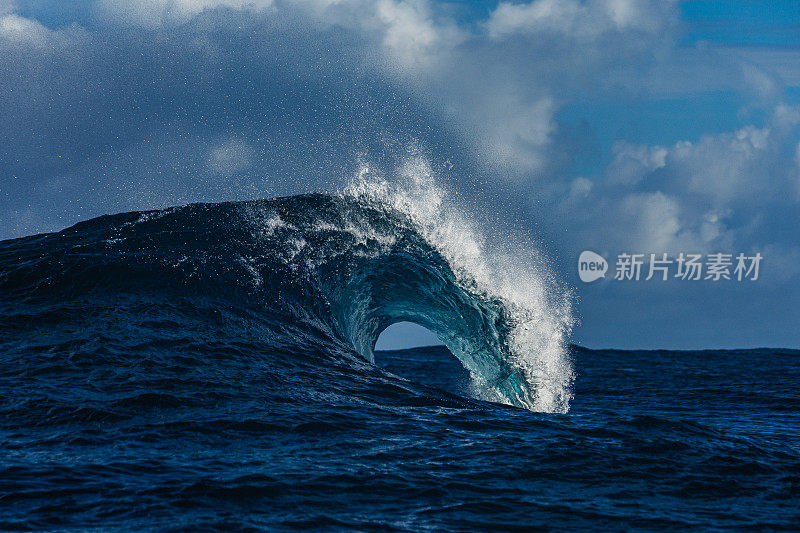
[(496, 306)]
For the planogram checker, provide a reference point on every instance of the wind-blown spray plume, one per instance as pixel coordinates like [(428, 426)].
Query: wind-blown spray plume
[(516, 348)]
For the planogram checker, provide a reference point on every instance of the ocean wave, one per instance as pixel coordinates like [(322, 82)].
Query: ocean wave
[(316, 276)]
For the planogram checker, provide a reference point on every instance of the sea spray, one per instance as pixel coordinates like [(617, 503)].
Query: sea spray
[(536, 307)]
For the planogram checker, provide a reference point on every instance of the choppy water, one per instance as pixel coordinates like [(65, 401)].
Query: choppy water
[(211, 367)]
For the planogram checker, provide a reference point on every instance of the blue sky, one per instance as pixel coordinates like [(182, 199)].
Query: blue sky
[(610, 125)]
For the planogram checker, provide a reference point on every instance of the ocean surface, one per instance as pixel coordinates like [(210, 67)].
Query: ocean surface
[(211, 367)]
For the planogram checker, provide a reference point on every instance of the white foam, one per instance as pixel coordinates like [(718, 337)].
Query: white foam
[(514, 273)]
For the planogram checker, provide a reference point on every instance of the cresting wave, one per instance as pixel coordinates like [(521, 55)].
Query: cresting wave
[(510, 329), (316, 274)]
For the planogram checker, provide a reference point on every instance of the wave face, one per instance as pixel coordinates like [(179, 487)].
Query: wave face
[(317, 276)]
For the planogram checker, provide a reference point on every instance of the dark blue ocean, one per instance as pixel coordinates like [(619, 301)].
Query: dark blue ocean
[(211, 368)]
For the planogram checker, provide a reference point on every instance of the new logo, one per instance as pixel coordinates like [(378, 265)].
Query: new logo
[(591, 266)]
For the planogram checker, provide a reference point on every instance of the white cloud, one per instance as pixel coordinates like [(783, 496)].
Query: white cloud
[(409, 34), (22, 30), (7, 6), (498, 85), (643, 222), (734, 166), (23, 41), (692, 196), (155, 13), (631, 162), (508, 130), (580, 188), (579, 21), (723, 167), (230, 156), (777, 65), (651, 221)]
